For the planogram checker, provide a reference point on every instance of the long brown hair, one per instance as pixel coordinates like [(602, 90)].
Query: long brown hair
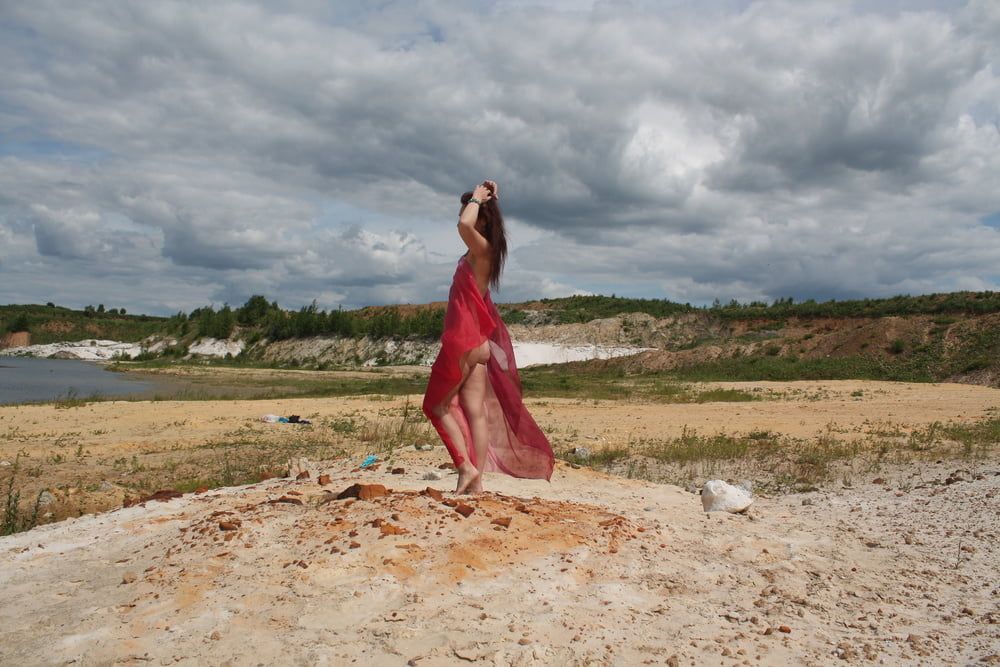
[(495, 233)]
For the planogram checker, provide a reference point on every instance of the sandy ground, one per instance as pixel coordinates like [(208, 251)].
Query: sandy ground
[(800, 409), (88, 455), (592, 570)]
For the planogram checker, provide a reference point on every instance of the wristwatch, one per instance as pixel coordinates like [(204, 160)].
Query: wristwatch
[(473, 199)]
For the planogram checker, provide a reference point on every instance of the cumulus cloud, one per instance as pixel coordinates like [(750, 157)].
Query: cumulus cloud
[(316, 150)]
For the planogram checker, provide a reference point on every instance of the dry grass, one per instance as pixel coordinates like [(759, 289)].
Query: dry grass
[(780, 463)]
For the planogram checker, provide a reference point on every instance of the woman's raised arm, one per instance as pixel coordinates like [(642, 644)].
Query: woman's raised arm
[(476, 242)]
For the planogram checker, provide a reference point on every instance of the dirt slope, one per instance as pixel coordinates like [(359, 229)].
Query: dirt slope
[(601, 571)]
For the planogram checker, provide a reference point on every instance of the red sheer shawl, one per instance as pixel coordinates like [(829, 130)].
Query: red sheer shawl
[(517, 446)]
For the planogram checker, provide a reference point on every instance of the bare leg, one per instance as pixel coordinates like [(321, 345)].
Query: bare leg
[(472, 396), (467, 473)]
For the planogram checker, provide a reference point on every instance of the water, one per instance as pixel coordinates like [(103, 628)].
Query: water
[(27, 379)]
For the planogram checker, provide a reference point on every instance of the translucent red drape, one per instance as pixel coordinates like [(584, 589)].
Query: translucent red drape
[(517, 446)]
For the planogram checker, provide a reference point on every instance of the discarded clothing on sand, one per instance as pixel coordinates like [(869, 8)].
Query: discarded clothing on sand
[(278, 419)]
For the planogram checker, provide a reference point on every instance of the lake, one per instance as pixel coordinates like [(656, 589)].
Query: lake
[(25, 379)]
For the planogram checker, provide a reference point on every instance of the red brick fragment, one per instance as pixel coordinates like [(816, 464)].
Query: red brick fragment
[(162, 495), (502, 521), (390, 529), (295, 493), (434, 493), (302, 564), (354, 545), (303, 475), (398, 471), (464, 510), (323, 480), (447, 466), (784, 628), (363, 492), (450, 502), (229, 525), (523, 509), (201, 489)]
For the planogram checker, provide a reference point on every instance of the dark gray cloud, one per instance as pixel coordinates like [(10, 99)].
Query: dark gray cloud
[(316, 150)]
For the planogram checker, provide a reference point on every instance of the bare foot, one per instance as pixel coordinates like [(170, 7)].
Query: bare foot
[(477, 486), (468, 475)]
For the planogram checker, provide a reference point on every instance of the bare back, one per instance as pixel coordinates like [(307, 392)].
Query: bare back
[(480, 269)]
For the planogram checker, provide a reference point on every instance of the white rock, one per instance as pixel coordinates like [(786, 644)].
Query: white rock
[(213, 347), (718, 496), (45, 499), (433, 475), (87, 350)]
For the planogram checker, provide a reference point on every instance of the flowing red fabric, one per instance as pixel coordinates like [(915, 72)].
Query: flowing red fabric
[(517, 446)]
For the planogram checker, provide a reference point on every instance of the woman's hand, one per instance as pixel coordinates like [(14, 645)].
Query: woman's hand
[(493, 188), (482, 193)]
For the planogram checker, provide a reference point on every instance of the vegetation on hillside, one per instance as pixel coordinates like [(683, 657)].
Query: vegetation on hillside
[(51, 323), (586, 308)]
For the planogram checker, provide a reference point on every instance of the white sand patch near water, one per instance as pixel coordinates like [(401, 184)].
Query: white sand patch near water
[(86, 350)]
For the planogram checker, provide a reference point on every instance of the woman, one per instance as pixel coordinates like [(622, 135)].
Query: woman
[(473, 397)]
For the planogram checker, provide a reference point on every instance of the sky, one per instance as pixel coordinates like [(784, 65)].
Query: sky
[(165, 155)]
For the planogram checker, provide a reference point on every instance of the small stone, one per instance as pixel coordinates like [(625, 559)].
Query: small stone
[(354, 545), (807, 501), (502, 521), (464, 510), (719, 496), (129, 578), (229, 525), (398, 471), (768, 630), (323, 480), (432, 475), (447, 466), (523, 641), (303, 475), (105, 486), (673, 661), (784, 628), (215, 636), (434, 493), (200, 490), (290, 500), (45, 498)]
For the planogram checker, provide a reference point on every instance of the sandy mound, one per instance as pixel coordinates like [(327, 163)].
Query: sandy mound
[(589, 570)]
